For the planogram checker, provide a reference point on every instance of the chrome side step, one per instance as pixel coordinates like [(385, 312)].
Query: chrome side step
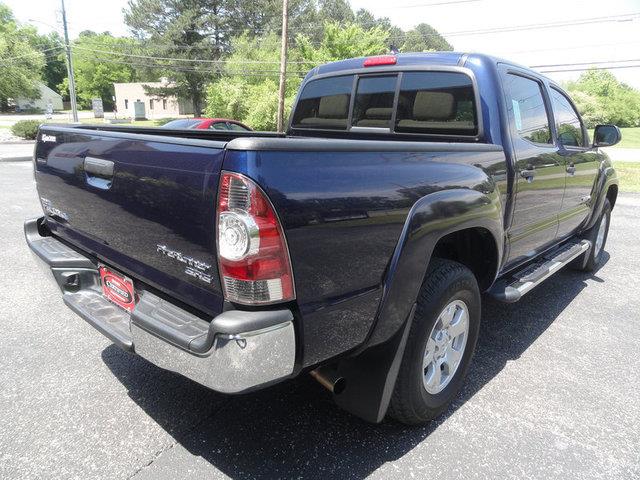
[(512, 289)]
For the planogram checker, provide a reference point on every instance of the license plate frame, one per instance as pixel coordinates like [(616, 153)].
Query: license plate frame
[(117, 288)]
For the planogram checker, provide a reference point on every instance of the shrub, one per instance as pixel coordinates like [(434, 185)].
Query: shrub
[(27, 129)]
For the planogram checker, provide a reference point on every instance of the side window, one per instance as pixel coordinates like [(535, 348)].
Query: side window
[(436, 103), (236, 127), (374, 101), (218, 126), (525, 105), (324, 104), (570, 131)]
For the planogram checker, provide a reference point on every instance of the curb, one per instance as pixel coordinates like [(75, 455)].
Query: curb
[(18, 142), (16, 159)]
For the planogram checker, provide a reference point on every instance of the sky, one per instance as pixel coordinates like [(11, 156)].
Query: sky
[(592, 41)]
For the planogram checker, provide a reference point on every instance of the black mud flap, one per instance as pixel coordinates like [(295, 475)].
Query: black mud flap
[(371, 376)]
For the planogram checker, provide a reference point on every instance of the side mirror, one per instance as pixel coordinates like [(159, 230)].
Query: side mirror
[(606, 135)]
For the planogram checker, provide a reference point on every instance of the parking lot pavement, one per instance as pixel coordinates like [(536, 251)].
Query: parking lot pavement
[(553, 392)]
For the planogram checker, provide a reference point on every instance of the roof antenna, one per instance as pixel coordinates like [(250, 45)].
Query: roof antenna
[(393, 49)]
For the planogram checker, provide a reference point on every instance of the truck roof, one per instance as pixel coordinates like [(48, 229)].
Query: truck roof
[(411, 59)]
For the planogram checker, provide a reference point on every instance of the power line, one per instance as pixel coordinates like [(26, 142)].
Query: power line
[(585, 63), (30, 54), (615, 67), (183, 68), (434, 4)]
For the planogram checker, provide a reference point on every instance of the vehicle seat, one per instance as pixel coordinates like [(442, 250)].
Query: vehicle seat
[(332, 112), (434, 110), (376, 117)]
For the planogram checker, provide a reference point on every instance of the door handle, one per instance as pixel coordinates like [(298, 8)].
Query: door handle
[(99, 172), (98, 167), (571, 169)]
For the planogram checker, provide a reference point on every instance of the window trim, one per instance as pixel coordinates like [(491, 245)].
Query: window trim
[(390, 70), (585, 134), (354, 128), (547, 107)]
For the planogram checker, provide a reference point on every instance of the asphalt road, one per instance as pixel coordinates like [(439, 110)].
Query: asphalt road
[(554, 390)]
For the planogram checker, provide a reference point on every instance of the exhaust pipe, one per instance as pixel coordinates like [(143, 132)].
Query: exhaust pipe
[(328, 377)]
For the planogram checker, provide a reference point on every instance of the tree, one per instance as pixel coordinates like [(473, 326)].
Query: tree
[(99, 61), (343, 41), (601, 98), (21, 64), (423, 38), (55, 67), (195, 30), (248, 91)]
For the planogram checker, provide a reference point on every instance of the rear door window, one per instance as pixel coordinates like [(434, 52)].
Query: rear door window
[(527, 109), (324, 104), (373, 105), (437, 103)]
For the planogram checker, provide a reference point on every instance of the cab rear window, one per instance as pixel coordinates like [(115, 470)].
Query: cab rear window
[(436, 103), (426, 102), (324, 104)]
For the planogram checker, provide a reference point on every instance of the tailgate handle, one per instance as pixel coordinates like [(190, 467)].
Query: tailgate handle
[(98, 167), (99, 172)]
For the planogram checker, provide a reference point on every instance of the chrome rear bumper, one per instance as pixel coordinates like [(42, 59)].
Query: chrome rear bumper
[(234, 352)]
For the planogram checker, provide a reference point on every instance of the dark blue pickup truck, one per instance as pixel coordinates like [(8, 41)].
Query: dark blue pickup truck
[(355, 247)]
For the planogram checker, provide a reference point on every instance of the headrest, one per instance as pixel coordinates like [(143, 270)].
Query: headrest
[(433, 106), (334, 106), (382, 113)]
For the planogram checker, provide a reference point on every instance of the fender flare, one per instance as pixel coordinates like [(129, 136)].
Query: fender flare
[(371, 373), (606, 179)]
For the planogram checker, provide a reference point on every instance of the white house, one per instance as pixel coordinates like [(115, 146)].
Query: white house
[(46, 96), (155, 107)]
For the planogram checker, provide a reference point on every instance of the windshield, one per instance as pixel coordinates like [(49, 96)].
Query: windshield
[(183, 123)]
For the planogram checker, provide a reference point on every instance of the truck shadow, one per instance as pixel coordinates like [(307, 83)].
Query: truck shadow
[(295, 430)]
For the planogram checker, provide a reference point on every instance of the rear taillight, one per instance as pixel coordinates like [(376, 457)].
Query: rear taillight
[(252, 251)]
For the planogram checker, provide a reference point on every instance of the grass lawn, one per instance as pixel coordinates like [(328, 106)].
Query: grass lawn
[(629, 176), (630, 137), (137, 123)]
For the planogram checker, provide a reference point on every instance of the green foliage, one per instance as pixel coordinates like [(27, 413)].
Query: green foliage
[(96, 70), (252, 97), (27, 129), (601, 98), (342, 41), (20, 62), (194, 30), (55, 67), (424, 38)]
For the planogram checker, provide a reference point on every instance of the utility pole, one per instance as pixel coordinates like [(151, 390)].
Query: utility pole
[(72, 82), (283, 66)]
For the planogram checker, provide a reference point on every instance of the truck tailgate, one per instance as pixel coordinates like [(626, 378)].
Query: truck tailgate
[(141, 203)]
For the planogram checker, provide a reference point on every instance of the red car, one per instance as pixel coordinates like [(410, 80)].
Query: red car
[(208, 124)]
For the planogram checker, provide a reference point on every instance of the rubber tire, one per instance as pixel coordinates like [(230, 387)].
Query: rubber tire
[(592, 260), (444, 282)]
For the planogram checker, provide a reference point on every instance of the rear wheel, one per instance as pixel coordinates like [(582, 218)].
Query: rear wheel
[(440, 344), (597, 235)]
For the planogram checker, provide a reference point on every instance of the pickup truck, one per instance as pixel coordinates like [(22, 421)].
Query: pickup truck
[(354, 247)]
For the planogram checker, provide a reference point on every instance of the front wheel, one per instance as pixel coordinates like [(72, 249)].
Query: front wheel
[(440, 345)]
